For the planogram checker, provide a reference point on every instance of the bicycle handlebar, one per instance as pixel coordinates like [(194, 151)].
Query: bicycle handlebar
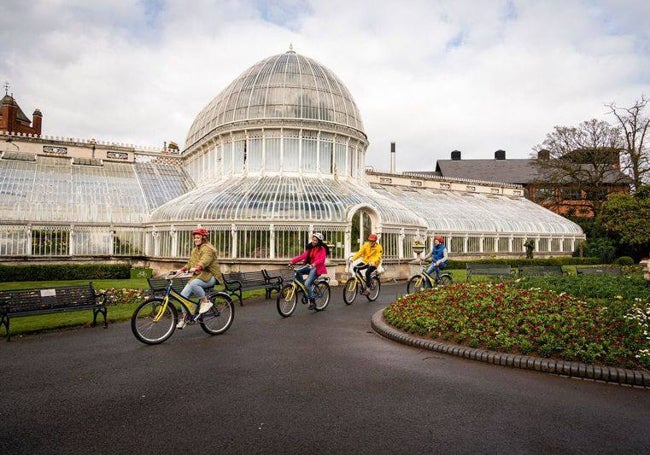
[(175, 274)]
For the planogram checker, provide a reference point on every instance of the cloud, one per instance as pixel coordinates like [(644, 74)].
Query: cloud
[(431, 76)]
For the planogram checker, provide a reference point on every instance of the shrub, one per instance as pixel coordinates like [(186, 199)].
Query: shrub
[(624, 260), (53, 272)]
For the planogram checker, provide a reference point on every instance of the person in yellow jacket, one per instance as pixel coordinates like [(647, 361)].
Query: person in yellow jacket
[(205, 267), (370, 254)]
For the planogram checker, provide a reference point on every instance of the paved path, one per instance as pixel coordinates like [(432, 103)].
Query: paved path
[(311, 383)]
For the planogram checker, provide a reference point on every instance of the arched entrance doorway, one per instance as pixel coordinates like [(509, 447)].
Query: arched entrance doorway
[(364, 221)]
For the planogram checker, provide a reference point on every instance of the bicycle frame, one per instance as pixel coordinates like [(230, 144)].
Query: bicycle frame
[(172, 294), (302, 287)]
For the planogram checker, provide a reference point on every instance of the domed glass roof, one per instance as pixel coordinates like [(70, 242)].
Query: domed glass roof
[(285, 86), (279, 199)]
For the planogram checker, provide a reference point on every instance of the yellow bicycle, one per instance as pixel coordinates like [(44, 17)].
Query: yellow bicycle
[(155, 319), (423, 281), (356, 284), (287, 299)]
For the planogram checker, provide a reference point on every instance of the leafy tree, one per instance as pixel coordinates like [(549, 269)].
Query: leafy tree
[(583, 159), (635, 128), (626, 217)]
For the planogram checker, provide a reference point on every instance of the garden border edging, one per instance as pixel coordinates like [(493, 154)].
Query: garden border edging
[(572, 369)]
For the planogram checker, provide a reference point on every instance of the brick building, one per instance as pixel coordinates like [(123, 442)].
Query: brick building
[(14, 120)]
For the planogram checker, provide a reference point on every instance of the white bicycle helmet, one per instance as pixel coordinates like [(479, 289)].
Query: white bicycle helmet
[(319, 236)]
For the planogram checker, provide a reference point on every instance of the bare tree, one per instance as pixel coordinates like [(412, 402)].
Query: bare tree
[(581, 165), (635, 127)]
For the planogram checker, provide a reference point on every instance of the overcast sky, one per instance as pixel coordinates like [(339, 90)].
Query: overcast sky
[(432, 76)]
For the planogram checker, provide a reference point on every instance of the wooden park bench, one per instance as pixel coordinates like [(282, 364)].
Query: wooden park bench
[(610, 270), (27, 302), (540, 270), (158, 286), (493, 270), (237, 282)]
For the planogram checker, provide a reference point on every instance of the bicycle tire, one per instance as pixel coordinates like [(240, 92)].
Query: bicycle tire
[(350, 291), (149, 326), (220, 316), (445, 280), (287, 300), (375, 289), (321, 295), (415, 284)]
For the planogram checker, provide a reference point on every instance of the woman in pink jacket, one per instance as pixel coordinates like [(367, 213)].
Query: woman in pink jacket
[(314, 258)]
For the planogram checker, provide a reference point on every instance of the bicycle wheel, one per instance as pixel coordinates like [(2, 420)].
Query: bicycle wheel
[(445, 280), (415, 284), (375, 287), (153, 321), (219, 318), (322, 295), (350, 291), (287, 300)]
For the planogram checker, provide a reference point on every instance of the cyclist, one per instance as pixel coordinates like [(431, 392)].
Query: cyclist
[(314, 258), (203, 264), (439, 257), (370, 254)]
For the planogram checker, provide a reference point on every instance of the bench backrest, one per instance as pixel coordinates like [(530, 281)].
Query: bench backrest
[(245, 278), (614, 271), (498, 270), (282, 275), (540, 270), (159, 285), (25, 300)]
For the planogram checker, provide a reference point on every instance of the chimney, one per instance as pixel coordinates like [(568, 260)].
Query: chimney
[(392, 157), (455, 155), (500, 155), (37, 121), (544, 155)]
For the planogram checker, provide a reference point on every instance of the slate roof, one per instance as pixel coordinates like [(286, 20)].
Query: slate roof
[(517, 171)]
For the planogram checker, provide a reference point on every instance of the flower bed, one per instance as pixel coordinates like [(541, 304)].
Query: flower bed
[(531, 321)]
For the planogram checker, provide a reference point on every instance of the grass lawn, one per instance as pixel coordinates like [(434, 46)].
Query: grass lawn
[(128, 294)]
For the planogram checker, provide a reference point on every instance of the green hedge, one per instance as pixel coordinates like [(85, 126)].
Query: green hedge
[(52, 272), (459, 264)]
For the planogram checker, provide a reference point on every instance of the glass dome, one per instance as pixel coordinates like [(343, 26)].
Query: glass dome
[(280, 199), (285, 86)]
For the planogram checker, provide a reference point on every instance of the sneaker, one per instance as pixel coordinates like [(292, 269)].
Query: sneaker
[(312, 304), (182, 322), (205, 306)]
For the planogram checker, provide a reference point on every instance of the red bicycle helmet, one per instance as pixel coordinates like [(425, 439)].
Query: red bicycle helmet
[(200, 231), (439, 239), (372, 237)]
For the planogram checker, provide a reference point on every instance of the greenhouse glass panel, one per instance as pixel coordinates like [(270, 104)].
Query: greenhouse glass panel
[(253, 243), (272, 154), (255, 157), (290, 160), (473, 244), (325, 157), (290, 242), (488, 244), (309, 154), (239, 156)]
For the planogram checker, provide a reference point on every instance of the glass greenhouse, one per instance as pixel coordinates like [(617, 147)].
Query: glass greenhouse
[(277, 155)]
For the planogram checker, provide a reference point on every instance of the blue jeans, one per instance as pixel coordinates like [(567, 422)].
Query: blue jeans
[(197, 287), (312, 275), (436, 268)]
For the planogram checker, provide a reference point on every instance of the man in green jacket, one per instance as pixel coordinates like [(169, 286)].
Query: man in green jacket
[(204, 265)]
